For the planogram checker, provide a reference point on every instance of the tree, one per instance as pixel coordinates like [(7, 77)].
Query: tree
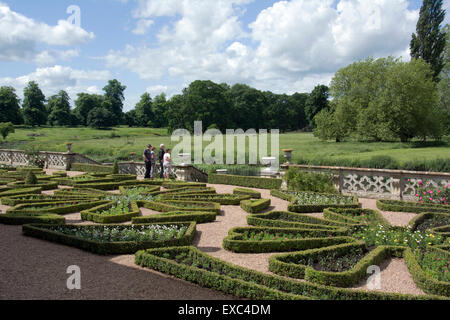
[(130, 118), (143, 109), (101, 118), (297, 116), (58, 107), (316, 102), (10, 106), (6, 128), (84, 104), (160, 108), (429, 42), (34, 111), (382, 100), (444, 84), (114, 91), (247, 104), (276, 113), (176, 108), (206, 101)]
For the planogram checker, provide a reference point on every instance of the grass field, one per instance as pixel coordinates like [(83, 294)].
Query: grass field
[(107, 145)]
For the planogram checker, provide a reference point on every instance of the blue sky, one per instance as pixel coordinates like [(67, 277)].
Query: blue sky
[(285, 47)]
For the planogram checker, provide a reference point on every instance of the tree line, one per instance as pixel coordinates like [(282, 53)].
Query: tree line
[(217, 105)]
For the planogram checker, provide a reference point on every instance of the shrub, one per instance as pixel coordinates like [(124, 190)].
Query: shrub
[(115, 167), (299, 180), (84, 167), (71, 236), (255, 206), (249, 182), (247, 192), (405, 206), (31, 178), (177, 216)]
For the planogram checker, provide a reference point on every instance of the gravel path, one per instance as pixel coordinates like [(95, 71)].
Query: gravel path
[(400, 219), (35, 269)]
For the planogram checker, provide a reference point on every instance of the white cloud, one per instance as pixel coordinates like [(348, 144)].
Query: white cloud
[(142, 26), (20, 36), (292, 45), (53, 79), (157, 90)]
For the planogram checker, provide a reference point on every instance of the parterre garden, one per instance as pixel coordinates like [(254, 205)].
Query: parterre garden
[(313, 257)]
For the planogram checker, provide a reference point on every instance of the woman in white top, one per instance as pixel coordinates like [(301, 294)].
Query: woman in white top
[(167, 164)]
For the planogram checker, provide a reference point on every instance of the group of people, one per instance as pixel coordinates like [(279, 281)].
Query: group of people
[(164, 159)]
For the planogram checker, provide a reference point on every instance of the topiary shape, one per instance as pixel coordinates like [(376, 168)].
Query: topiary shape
[(31, 178), (116, 167)]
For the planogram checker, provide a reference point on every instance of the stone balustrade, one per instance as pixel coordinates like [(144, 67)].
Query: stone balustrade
[(379, 183)]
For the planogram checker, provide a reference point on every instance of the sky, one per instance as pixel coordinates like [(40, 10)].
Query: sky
[(160, 46)]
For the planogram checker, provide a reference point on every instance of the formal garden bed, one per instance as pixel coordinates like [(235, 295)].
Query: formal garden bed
[(325, 239), (115, 239)]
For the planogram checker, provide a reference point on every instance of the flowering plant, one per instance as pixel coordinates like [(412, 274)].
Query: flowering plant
[(427, 194)]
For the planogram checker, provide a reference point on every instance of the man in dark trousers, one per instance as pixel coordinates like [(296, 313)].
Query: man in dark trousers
[(148, 161), (161, 160)]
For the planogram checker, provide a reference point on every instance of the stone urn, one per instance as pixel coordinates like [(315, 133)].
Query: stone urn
[(132, 156), (288, 155), (69, 147), (185, 159)]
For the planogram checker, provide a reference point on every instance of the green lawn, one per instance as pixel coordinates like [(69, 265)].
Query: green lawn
[(106, 145)]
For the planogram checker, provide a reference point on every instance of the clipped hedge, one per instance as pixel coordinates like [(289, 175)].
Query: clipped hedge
[(176, 185), (336, 214), (20, 219), (246, 283), (283, 219), (222, 282), (85, 167), (108, 248), (422, 279), (281, 265), (421, 218), (177, 216), (249, 182), (43, 185), (405, 206), (318, 238), (16, 192), (255, 206), (57, 208), (39, 198), (92, 215), (247, 192), (175, 205), (223, 199)]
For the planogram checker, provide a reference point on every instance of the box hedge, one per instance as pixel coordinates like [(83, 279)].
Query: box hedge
[(414, 207), (176, 205), (177, 216), (235, 241), (85, 167), (94, 214), (63, 207), (242, 181), (246, 283), (336, 214), (247, 192), (223, 199), (283, 219), (107, 248), (19, 191), (20, 219), (255, 206)]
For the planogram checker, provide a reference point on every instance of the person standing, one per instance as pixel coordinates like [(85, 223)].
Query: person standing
[(153, 161), (148, 161), (161, 160), (167, 164)]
